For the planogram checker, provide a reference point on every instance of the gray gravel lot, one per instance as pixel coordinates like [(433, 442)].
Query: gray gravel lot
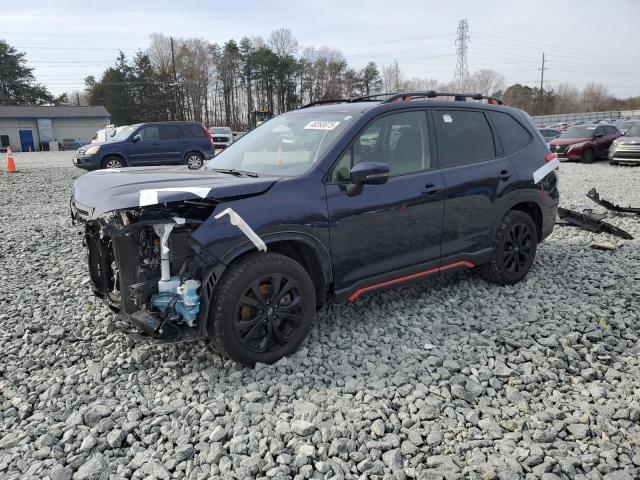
[(450, 378)]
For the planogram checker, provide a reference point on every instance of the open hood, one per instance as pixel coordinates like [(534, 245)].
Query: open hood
[(113, 189)]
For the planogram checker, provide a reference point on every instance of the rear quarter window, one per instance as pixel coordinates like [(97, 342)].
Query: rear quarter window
[(464, 136), (512, 135), (195, 130)]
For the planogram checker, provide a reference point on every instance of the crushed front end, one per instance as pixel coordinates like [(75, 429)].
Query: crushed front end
[(142, 265)]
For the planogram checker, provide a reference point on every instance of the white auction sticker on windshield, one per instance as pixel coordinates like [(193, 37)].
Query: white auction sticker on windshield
[(321, 125), (447, 118)]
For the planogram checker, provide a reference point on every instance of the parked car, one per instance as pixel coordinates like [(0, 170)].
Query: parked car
[(549, 133), (103, 134), (222, 137), (243, 252), (626, 149), (160, 143), (584, 142), (624, 125)]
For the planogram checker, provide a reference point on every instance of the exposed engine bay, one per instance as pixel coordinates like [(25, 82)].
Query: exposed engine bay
[(142, 265)]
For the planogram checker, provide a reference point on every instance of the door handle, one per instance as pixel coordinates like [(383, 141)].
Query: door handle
[(430, 189), (155, 143), (184, 141), (505, 175)]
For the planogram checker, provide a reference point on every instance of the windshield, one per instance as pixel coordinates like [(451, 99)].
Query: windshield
[(579, 132), (633, 131), (624, 126), (287, 145), (122, 134), (221, 130)]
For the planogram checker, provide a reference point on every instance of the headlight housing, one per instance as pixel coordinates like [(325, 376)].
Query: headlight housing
[(578, 145), (615, 143), (92, 150)]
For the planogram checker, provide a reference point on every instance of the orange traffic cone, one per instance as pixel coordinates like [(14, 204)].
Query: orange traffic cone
[(279, 159), (11, 166)]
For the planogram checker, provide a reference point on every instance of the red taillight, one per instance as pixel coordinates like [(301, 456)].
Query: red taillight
[(550, 156), (206, 130)]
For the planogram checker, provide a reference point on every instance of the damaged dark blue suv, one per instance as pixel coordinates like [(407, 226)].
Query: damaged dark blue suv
[(328, 202)]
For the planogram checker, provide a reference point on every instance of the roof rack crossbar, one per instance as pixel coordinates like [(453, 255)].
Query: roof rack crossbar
[(459, 97)]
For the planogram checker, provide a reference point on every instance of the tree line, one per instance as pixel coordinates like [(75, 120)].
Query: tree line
[(191, 79), (220, 84)]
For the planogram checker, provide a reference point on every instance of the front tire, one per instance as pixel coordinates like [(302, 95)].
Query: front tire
[(194, 160), (262, 309), (588, 156), (514, 249), (113, 161)]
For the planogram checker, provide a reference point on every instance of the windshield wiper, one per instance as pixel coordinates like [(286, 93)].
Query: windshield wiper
[(237, 173)]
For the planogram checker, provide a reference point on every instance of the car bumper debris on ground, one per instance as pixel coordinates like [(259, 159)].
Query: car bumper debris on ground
[(451, 378)]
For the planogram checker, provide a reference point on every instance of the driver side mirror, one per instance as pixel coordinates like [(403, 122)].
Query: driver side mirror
[(366, 173), (369, 173), (598, 135), (136, 138)]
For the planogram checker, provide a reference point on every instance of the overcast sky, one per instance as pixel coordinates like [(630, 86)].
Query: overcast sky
[(583, 40)]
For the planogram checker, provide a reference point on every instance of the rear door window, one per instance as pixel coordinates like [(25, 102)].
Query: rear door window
[(169, 132), (512, 135), (464, 136)]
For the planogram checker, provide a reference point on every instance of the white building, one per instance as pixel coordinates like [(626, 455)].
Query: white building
[(33, 128)]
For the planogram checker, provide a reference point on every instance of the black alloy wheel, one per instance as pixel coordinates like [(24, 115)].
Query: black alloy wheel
[(588, 156), (514, 249), (518, 248), (269, 313), (261, 309)]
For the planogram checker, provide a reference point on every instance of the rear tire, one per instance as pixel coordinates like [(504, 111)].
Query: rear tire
[(113, 161), (194, 160), (588, 156), (262, 309), (514, 249)]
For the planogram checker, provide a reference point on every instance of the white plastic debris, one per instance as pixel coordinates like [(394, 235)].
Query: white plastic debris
[(239, 222), (545, 170), (150, 196)]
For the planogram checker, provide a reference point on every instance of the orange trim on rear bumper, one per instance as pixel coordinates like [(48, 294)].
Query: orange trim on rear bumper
[(359, 292)]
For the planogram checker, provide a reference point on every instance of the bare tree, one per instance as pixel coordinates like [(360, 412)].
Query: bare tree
[(596, 97), (486, 82), (283, 42)]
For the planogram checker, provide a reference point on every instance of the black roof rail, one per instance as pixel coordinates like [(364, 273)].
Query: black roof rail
[(324, 102), (366, 98), (370, 98), (459, 97)]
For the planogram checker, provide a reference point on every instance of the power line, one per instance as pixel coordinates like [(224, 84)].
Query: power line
[(462, 69)]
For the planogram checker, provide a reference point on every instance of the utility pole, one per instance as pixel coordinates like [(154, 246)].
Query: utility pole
[(175, 79), (77, 99), (462, 69), (541, 83)]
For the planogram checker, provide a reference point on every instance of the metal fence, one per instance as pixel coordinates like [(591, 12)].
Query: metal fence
[(544, 120)]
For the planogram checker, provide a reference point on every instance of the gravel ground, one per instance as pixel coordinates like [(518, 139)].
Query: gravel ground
[(451, 378)]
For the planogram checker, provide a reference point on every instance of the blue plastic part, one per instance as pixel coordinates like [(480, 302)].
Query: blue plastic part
[(185, 298)]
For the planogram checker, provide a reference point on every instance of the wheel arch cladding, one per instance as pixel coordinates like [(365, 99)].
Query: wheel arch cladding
[(533, 210)]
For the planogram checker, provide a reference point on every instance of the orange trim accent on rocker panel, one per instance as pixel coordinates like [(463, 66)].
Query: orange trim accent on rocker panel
[(359, 292)]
